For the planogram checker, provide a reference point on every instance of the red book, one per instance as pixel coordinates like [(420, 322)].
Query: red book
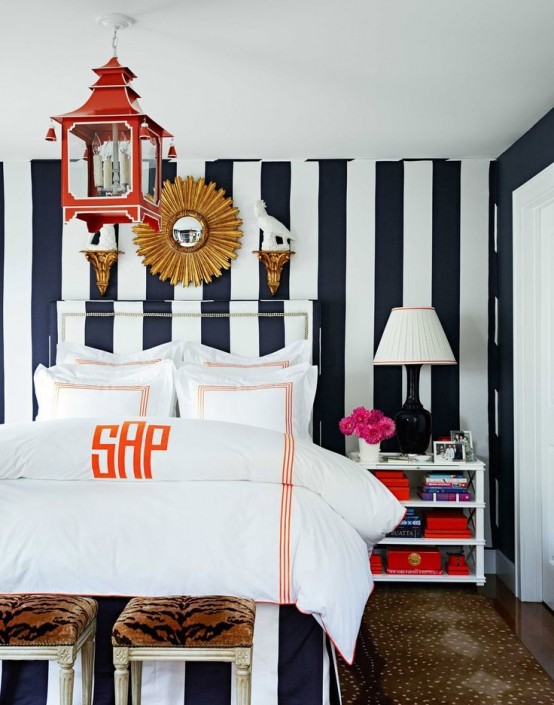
[(447, 534), (445, 519)]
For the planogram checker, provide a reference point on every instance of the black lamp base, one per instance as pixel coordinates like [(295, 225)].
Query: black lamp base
[(413, 422), (413, 430)]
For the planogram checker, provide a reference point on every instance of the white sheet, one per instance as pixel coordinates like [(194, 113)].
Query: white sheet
[(229, 509)]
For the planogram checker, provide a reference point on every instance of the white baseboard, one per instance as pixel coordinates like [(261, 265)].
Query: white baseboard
[(506, 571), (490, 561)]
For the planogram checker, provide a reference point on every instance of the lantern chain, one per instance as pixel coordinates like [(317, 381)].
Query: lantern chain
[(114, 41)]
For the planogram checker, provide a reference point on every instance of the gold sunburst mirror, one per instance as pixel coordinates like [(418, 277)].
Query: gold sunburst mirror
[(199, 233)]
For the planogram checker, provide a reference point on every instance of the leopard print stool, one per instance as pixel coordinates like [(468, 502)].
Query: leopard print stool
[(51, 628), (183, 628)]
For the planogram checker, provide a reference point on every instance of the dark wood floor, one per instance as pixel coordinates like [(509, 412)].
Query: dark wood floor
[(532, 622)]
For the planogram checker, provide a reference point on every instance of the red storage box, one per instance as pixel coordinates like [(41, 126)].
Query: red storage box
[(446, 524), (401, 493), (419, 561), (376, 564), (456, 564), (446, 519), (396, 482), (392, 478)]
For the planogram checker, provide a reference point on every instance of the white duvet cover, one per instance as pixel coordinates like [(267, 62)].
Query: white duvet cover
[(175, 506)]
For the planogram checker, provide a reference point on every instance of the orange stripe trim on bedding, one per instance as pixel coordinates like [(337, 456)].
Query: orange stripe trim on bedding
[(286, 477), (285, 521), (143, 389), (117, 364), (287, 386)]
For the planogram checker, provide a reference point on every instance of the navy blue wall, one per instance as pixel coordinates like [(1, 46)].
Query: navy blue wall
[(532, 153)]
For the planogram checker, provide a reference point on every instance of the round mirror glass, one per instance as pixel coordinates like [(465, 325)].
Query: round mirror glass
[(188, 231)]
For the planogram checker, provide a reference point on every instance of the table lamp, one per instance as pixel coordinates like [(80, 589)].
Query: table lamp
[(413, 337)]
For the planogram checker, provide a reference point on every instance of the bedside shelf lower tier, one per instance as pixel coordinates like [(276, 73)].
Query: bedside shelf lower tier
[(445, 578)]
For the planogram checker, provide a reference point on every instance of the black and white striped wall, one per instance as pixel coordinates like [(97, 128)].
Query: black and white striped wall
[(369, 236)]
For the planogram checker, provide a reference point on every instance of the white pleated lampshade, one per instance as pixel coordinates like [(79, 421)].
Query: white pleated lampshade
[(414, 336)]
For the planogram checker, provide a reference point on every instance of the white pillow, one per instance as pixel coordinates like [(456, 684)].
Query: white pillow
[(294, 354), (76, 354), (72, 391), (279, 399)]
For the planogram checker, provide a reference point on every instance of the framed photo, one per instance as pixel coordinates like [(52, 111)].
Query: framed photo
[(462, 436), (467, 439), (449, 451)]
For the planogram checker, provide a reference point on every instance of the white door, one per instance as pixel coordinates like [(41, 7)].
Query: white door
[(547, 401)]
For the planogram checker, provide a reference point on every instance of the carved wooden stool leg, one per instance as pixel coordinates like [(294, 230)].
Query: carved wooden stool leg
[(243, 662), (136, 682), (67, 677), (121, 663), (87, 665), (66, 659)]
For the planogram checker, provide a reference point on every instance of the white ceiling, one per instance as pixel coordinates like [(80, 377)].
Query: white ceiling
[(290, 79)]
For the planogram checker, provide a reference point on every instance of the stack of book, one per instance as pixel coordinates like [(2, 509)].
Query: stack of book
[(396, 482), (446, 524), (410, 527), (376, 563), (445, 487)]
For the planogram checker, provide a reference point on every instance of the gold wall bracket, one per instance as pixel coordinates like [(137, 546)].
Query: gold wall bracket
[(274, 261), (102, 261)]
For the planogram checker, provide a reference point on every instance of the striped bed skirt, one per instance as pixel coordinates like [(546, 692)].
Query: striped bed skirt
[(293, 664)]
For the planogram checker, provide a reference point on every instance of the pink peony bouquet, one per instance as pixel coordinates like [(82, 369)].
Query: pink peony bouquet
[(373, 426)]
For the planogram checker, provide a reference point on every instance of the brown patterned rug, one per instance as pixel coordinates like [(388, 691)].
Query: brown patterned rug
[(435, 646)]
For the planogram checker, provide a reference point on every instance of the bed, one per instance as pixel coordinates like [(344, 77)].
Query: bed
[(294, 661)]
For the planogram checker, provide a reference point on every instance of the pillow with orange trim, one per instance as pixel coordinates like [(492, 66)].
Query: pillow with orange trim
[(279, 399), (77, 354), (294, 354), (72, 391)]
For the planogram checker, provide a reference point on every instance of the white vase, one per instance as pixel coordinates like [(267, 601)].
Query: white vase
[(369, 452)]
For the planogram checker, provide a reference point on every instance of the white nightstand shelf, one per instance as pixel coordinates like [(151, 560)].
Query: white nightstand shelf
[(445, 578), (432, 542), (474, 548), (416, 501)]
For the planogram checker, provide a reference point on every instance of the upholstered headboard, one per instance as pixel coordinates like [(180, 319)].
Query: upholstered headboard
[(241, 327)]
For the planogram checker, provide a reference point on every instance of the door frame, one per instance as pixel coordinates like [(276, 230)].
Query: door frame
[(528, 202)]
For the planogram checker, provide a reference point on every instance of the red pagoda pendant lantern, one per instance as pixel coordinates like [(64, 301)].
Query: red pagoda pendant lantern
[(111, 151)]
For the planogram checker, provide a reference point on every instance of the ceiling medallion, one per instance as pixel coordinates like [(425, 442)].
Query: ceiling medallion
[(198, 237)]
